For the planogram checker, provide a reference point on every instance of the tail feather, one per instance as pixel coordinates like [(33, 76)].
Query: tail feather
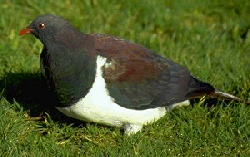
[(227, 97), (198, 89)]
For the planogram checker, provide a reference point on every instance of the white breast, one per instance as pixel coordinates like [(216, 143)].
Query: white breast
[(98, 106)]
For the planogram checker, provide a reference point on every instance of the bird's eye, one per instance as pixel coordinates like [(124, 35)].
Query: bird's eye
[(41, 26)]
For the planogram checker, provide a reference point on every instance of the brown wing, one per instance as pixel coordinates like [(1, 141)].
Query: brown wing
[(140, 79), (126, 62)]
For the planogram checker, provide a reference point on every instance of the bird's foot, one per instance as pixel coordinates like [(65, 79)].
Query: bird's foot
[(132, 128)]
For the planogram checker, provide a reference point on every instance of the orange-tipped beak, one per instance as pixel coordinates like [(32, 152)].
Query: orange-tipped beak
[(26, 31)]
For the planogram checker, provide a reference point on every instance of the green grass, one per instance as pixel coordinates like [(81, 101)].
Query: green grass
[(211, 38)]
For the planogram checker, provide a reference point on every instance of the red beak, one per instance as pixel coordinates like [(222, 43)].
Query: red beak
[(26, 31)]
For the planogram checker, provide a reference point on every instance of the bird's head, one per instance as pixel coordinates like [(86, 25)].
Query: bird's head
[(47, 27)]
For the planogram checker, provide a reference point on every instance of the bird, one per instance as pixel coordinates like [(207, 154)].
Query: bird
[(109, 80)]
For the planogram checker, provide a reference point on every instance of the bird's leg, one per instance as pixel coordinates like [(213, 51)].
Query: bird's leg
[(132, 128)]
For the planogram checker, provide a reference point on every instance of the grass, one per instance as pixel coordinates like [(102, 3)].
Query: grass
[(211, 38)]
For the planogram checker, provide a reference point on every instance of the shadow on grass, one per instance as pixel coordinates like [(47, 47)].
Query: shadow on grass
[(29, 90)]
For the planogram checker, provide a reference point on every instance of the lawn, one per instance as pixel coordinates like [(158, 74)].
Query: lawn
[(211, 38)]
